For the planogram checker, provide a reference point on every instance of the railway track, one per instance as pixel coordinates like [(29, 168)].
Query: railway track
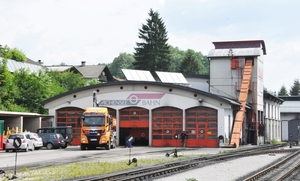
[(283, 170), (155, 172)]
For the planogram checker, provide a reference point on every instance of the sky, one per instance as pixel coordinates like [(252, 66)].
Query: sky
[(97, 31)]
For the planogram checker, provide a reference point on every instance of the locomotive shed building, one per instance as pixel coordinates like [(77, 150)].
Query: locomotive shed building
[(226, 108)]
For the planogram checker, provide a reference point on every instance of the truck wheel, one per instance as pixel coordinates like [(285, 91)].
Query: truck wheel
[(82, 147), (107, 146)]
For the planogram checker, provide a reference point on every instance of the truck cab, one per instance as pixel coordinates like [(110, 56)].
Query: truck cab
[(97, 129)]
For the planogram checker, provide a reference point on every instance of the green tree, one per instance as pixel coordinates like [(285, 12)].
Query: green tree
[(33, 88), (283, 91), (2, 78), (14, 54), (176, 59), (67, 80), (63, 64), (177, 56), (7, 88), (189, 64), (92, 82), (294, 91), (153, 52), (123, 61), (203, 63)]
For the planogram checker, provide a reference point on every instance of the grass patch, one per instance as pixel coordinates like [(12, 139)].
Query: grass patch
[(84, 169), (275, 142), (223, 151), (191, 179)]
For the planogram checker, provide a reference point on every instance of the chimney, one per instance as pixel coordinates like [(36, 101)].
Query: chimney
[(83, 63), (40, 62)]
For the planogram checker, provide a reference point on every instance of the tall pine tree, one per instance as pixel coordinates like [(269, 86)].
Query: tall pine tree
[(153, 52), (283, 91), (294, 91)]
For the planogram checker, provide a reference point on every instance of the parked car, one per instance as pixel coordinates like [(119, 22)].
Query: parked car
[(27, 143), (37, 140), (52, 140), (66, 131)]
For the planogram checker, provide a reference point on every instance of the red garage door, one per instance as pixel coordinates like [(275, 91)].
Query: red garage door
[(202, 127), (69, 116), (167, 121)]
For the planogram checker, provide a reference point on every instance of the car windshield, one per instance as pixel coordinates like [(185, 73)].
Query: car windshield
[(93, 121), (15, 136)]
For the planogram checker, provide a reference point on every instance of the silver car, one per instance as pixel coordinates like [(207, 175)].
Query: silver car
[(37, 140), (27, 143)]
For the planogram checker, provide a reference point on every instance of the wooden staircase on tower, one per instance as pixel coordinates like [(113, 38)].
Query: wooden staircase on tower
[(237, 128)]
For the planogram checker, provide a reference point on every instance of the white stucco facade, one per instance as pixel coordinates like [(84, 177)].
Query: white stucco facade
[(148, 96)]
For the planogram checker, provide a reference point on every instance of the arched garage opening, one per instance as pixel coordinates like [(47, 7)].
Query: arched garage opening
[(134, 121), (112, 112), (202, 127), (167, 121), (69, 116)]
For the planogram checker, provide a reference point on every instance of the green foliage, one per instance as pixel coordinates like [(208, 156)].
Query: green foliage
[(275, 142), (153, 52), (17, 55), (92, 82), (283, 91), (84, 169), (7, 89), (191, 179), (4, 52), (67, 80), (123, 61), (178, 56), (189, 64), (203, 62), (176, 59), (23, 91), (32, 90), (2, 77), (62, 64), (14, 54), (294, 91), (224, 151)]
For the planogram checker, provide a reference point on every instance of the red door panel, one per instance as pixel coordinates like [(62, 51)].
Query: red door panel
[(201, 126)]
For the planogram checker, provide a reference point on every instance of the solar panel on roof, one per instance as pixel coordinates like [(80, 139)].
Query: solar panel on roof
[(171, 77), (138, 75), (13, 66)]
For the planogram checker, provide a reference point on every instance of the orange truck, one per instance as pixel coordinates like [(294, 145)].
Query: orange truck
[(98, 128)]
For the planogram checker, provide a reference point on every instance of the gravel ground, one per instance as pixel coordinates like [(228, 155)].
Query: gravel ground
[(231, 170)]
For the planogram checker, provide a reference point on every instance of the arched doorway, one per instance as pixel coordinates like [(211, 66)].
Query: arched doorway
[(166, 122), (134, 121), (69, 116), (202, 127)]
